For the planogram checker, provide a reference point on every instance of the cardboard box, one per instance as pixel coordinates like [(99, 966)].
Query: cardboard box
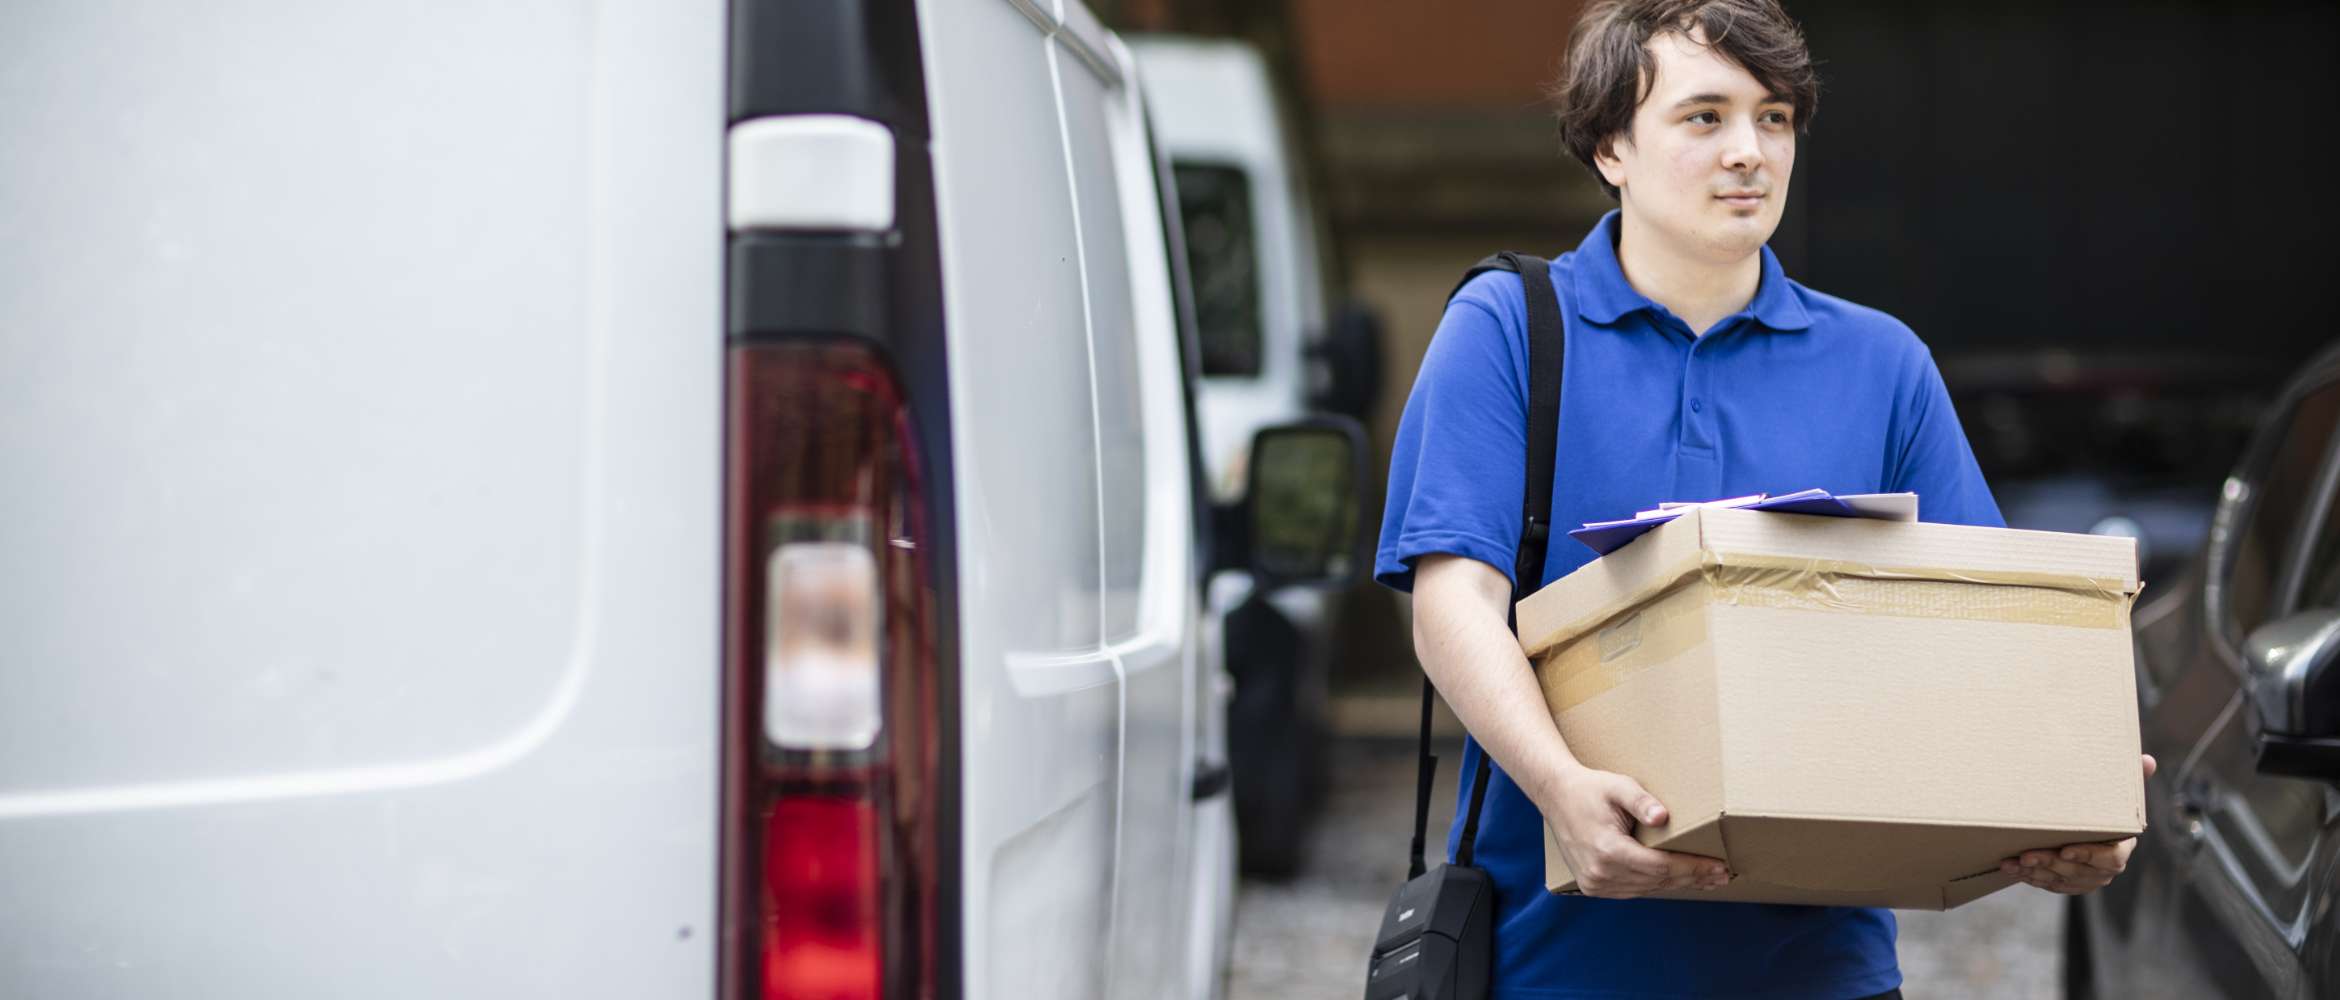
[(1847, 711)]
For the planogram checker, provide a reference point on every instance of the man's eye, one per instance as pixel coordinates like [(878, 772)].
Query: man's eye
[(1775, 117), (1706, 118)]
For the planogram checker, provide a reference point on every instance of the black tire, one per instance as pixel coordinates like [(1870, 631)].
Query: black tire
[(1271, 743), (2079, 967)]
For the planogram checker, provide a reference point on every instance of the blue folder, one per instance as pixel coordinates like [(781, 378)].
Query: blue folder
[(1605, 537)]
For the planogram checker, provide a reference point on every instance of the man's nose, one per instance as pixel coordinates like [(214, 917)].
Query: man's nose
[(1742, 151)]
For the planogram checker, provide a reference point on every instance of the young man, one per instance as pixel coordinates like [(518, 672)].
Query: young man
[(1695, 370)]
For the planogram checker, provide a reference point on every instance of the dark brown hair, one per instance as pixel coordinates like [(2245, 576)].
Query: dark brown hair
[(1609, 63)]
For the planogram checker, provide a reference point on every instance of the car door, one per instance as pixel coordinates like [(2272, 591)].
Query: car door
[(2254, 838)]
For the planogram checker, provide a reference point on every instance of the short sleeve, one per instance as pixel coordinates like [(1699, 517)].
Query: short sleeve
[(1936, 462), (1456, 472)]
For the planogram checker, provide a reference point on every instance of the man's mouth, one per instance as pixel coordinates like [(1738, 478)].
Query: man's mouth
[(1741, 199)]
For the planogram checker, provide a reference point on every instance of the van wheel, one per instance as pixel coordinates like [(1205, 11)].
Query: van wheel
[(1271, 810), (2079, 974), (1271, 742)]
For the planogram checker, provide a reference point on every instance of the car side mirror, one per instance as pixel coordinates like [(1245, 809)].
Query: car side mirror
[(2294, 686), (1297, 520)]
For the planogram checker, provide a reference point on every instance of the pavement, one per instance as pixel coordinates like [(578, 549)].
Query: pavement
[(1308, 937)]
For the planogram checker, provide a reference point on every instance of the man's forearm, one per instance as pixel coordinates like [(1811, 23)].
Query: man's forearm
[(1467, 648)]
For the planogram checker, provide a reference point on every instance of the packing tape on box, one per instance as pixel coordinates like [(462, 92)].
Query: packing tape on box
[(1674, 622), (1826, 585), (1657, 631)]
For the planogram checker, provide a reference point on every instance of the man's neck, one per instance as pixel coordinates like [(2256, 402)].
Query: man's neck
[(1695, 289)]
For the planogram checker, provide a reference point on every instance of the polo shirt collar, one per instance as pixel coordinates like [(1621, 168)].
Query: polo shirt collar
[(1603, 295)]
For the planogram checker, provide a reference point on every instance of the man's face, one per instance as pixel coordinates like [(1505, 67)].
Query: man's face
[(1706, 164)]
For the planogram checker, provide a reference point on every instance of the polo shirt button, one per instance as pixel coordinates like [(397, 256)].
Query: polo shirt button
[(1697, 407)]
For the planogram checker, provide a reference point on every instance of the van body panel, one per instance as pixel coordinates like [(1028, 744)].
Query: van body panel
[(1040, 695), (361, 397), (1083, 875), (361, 385), (1153, 605)]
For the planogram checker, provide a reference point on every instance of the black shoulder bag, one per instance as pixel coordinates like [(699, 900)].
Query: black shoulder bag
[(1438, 935)]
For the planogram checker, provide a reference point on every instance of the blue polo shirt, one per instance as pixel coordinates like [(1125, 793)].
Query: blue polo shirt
[(1797, 390)]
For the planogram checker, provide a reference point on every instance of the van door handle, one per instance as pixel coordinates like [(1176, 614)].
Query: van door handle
[(1211, 780)]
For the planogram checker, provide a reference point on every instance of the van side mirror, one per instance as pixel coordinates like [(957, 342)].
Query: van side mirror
[(2294, 685), (1297, 522), (1346, 376)]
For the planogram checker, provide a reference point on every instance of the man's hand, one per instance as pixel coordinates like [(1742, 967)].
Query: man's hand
[(1592, 813), (2075, 868), (1469, 652)]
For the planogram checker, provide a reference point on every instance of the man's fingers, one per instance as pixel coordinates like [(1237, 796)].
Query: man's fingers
[(2076, 872), (1664, 865), (1599, 832), (1631, 867), (1637, 802), (2073, 868), (2077, 868), (2112, 857), (1628, 855), (2060, 876), (2041, 878), (2089, 880), (1691, 866)]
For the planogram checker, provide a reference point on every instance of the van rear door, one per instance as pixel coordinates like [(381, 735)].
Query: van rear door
[(360, 413)]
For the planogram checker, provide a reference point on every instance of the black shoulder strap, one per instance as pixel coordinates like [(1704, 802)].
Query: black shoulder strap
[(1547, 349), (1547, 357), (1502, 261)]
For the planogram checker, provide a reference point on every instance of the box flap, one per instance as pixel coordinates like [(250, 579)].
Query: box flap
[(1833, 863), (1912, 897), (1862, 855)]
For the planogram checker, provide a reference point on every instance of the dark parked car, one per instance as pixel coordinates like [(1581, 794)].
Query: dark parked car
[(2232, 889)]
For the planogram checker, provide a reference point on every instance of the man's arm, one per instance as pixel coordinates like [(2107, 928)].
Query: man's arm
[(1466, 646)]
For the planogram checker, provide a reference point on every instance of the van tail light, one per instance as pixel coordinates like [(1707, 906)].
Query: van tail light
[(820, 894), (829, 706)]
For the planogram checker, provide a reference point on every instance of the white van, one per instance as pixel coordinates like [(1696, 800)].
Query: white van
[(1259, 287), (1259, 298), (616, 500)]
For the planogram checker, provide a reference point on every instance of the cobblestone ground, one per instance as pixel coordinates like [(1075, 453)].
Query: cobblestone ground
[(1307, 938)]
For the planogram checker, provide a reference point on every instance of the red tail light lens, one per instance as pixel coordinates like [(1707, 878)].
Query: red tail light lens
[(830, 846), (820, 900)]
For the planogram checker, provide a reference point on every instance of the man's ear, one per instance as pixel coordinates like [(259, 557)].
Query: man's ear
[(1605, 159)]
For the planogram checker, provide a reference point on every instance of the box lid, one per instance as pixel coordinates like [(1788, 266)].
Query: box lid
[(1714, 537)]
